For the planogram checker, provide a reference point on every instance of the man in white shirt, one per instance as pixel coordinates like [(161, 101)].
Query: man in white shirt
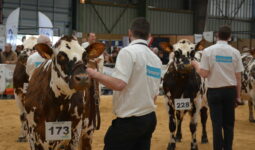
[(135, 81), (35, 59), (221, 64)]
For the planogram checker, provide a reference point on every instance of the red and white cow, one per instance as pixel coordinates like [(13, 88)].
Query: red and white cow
[(182, 83), (60, 92), (248, 82), (20, 82)]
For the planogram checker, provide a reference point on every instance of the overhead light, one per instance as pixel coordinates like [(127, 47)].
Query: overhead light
[(82, 1)]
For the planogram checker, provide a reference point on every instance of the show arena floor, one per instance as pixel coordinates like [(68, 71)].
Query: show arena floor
[(244, 131)]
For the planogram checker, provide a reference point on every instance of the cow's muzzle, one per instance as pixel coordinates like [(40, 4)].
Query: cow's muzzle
[(184, 68), (80, 81)]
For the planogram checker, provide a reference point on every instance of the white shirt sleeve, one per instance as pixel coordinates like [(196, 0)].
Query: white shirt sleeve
[(29, 66), (239, 64), (204, 64), (124, 66)]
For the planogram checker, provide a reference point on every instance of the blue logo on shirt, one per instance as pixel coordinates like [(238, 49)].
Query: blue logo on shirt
[(37, 64), (153, 72), (224, 59)]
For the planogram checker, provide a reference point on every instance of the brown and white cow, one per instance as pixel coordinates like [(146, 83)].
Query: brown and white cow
[(248, 82), (61, 91), (20, 82), (182, 82)]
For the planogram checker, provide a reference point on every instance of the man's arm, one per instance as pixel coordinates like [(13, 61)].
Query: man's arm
[(108, 81), (202, 72), (238, 86)]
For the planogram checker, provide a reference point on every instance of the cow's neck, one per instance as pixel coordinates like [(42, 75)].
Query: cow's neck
[(59, 85)]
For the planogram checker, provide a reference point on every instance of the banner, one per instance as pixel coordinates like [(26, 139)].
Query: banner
[(6, 76), (208, 36), (45, 25), (198, 37), (12, 24)]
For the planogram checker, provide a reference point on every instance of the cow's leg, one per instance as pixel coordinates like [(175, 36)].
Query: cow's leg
[(172, 126), (251, 117), (22, 135), (204, 116), (179, 116), (193, 124), (86, 139)]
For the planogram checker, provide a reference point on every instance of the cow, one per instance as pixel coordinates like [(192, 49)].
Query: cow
[(20, 82), (61, 93), (181, 82), (248, 82)]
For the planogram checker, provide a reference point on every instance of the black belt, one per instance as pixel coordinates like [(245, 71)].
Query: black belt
[(223, 87)]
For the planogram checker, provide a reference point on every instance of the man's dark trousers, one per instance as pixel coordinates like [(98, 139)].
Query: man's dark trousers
[(222, 110), (133, 133)]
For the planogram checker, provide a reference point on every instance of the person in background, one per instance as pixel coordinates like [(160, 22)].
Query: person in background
[(221, 64), (91, 37), (8, 56), (36, 59), (136, 81), (19, 48), (115, 53)]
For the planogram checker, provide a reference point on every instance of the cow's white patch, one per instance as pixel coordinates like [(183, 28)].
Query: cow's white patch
[(30, 118), (185, 47), (76, 114), (74, 50), (59, 85), (47, 64)]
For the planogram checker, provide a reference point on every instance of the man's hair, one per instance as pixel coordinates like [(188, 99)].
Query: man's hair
[(140, 28), (224, 32)]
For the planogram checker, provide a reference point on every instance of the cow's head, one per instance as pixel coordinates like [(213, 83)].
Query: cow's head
[(28, 49), (182, 53), (69, 60)]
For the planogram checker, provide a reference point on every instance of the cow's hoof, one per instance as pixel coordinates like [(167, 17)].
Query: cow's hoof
[(194, 147), (22, 139), (171, 146), (204, 139), (252, 120), (178, 138)]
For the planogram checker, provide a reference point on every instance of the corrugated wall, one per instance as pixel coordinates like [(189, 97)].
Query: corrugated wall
[(88, 21), (59, 11), (237, 12), (168, 4), (164, 22)]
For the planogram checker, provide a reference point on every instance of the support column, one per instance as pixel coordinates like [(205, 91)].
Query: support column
[(142, 8), (200, 15), (253, 19)]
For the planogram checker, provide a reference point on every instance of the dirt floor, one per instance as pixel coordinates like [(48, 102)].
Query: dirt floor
[(244, 131)]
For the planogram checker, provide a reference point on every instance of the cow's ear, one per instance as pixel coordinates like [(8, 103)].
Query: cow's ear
[(95, 50), (200, 45), (167, 47), (44, 50)]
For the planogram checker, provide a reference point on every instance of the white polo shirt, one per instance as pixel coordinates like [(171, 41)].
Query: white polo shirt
[(222, 61), (33, 61), (140, 68)]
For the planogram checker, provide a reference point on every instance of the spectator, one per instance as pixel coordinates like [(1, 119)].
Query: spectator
[(8, 56), (35, 60), (19, 48), (115, 53)]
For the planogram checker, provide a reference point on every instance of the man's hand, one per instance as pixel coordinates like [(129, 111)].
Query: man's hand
[(194, 63), (92, 72), (108, 81)]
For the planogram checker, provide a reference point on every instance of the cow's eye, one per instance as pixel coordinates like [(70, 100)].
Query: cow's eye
[(177, 54), (192, 54), (62, 58)]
